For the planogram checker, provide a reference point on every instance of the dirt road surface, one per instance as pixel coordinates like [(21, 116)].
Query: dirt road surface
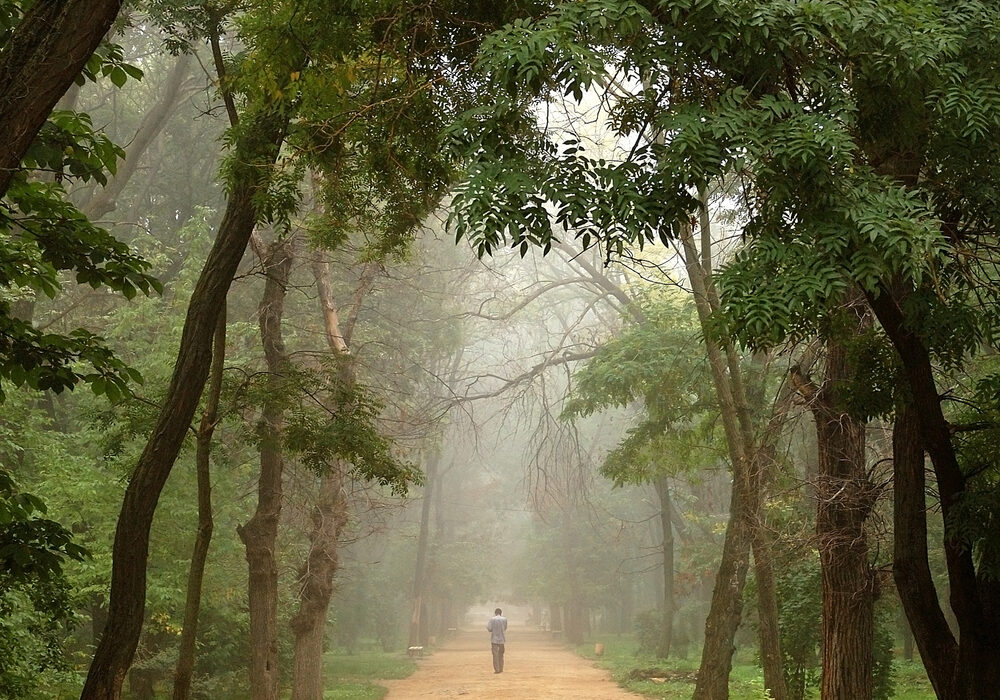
[(536, 667)]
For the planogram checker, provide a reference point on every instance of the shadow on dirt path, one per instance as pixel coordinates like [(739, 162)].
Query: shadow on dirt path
[(535, 668)]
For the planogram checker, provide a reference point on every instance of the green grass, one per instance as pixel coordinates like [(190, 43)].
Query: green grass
[(356, 676), (746, 681)]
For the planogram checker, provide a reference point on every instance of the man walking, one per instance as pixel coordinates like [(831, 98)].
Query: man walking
[(497, 627)]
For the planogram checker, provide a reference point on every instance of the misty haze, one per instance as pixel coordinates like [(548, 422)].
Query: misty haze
[(570, 349)]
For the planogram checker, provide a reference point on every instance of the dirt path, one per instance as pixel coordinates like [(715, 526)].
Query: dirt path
[(535, 668)]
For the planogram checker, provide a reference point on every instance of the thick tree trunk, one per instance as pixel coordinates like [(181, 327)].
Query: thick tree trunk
[(45, 54), (316, 587), (257, 150), (667, 532), (844, 501), (260, 534), (203, 538)]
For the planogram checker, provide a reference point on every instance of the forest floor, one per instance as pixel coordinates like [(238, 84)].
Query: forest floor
[(536, 667)]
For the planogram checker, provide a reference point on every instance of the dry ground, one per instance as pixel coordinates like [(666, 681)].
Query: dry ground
[(536, 668)]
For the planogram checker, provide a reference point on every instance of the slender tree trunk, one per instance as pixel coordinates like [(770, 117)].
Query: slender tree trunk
[(256, 150), (749, 461), (192, 606), (330, 513), (106, 199), (420, 569), (48, 49), (767, 611), (937, 646), (666, 514), (974, 598), (260, 534), (316, 587), (726, 608)]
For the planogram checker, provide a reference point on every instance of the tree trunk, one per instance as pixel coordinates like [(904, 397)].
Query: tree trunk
[(726, 608), (106, 199), (316, 587), (203, 538), (260, 534), (666, 509), (420, 569), (771, 659), (329, 515), (48, 49), (968, 670), (911, 571), (256, 151), (844, 501)]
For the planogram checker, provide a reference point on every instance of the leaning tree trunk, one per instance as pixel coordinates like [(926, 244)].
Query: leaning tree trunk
[(260, 534), (48, 49), (106, 199), (255, 152), (666, 512), (968, 668), (203, 538)]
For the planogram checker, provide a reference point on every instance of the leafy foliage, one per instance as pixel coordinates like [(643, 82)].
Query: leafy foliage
[(860, 137), (651, 363), (35, 605)]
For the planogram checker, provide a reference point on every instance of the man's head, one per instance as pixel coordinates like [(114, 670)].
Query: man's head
[(497, 611)]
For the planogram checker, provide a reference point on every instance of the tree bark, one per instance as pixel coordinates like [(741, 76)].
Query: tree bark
[(256, 150), (844, 501), (203, 538), (974, 673), (666, 515), (330, 513), (260, 534), (316, 587), (45, 54)]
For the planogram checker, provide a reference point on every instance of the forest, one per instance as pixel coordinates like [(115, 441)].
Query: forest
[(669, 326)]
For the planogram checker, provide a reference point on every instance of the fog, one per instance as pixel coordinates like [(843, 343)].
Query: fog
[(303, 424)]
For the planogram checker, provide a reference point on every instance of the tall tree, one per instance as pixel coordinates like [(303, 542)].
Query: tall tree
[(255, 148), (863, 147), (844, 499), (260, 534)]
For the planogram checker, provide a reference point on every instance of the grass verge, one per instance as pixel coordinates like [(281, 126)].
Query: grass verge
[(356, 676), (674, 679)]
